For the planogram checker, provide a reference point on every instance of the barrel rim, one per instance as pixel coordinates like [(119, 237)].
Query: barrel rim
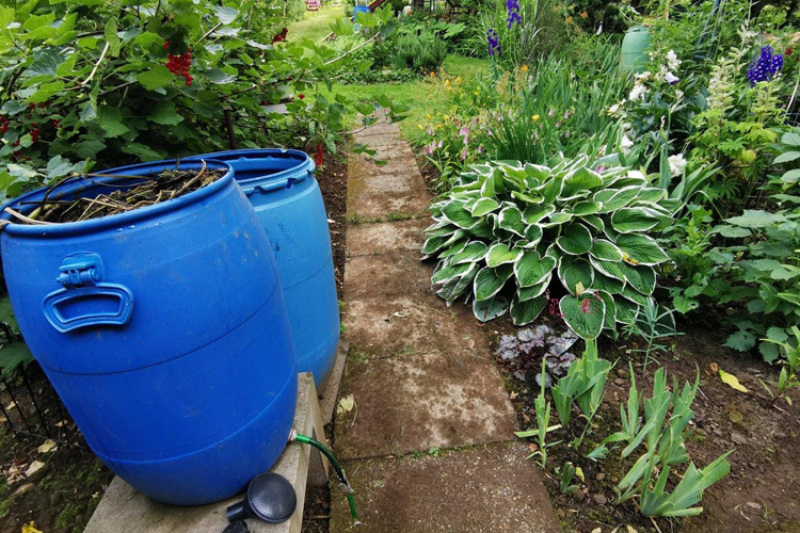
[(119, 219), (305, 166)]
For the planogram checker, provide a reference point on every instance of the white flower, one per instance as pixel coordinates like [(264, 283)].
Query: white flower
[(626, 142), (676, 164), (617, 109), (672, 60), (643, 76), (671, 78), (635, 174), (638, 92)]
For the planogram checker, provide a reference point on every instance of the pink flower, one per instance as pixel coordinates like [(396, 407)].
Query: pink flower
[(551, 112)]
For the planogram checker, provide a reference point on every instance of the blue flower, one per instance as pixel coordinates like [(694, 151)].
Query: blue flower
[(765, 67), (513, 13), (494, 42)]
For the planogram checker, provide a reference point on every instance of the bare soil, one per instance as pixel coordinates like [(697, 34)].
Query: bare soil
[(759, 494)]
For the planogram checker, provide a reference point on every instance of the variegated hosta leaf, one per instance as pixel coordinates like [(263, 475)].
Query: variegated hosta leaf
[(533, 235), (510, 219), (525, 312), (594, 221), (605, 250), (606, 284), (580, 183), (527, 198), (481, 230), (483, 206), (538, 172), (470, 253), (490, 309), (576, 240), (454, 212), (627, 311), (576, 274), (501, 254), (457, 286), (531, 269), (489, 281), (631, 294), (632, 220), (620, 199), (584, 314), (453, 248), (641, 250), (447, 272), (556, 219), (608, 268), (535, 213), (526, 293), (587, 208), (641, 278), (610, 319)]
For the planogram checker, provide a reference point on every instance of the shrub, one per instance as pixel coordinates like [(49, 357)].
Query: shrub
[(506, 228), (419, 53)]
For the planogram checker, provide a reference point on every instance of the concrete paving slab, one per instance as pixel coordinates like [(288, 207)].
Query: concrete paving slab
[(376, 139), (374, 196), (405, 404), (392, 274), (411, 323), (387, 237), (489, 490)]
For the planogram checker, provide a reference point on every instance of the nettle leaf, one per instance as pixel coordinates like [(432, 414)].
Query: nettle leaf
[(786, 157), (489, 281), (630, 220), (490, 308), (605, 250), (501, 254), (525, 312), (641, 250), (472, 252), (575, 273), (585, 315), (732, 232), (576, 240), (791, 138), (531, 269), (483, 206)]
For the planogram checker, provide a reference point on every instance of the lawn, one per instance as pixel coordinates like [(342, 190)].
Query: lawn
[(316, 24), (424, 95)]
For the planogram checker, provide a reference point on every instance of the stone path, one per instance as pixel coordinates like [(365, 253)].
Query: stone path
[(429, 443)]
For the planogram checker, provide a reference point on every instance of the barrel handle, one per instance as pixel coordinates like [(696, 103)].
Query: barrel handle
[(273, 186), (82, 277), (117, 315)]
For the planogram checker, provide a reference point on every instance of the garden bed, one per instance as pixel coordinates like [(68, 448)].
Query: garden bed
[(757, 496)]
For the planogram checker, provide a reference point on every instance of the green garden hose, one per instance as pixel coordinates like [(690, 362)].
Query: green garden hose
[(345, 485)]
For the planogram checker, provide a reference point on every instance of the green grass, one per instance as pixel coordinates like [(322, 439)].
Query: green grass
[(423, 95), (316, 24)]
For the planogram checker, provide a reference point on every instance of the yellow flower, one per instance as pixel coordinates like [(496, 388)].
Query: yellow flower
[(428, 116), (433, 74), (584, 15), (420, 126), (536, 117), (569, 20), (458, 79), (477, 92), (447, 82), (524, 68)]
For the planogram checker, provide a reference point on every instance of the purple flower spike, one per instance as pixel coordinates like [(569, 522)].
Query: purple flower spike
[(765, 67), (494, 42)]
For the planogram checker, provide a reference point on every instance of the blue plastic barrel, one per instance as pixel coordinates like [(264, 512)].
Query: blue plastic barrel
[(163, 330), (281, 186), (356, 11)]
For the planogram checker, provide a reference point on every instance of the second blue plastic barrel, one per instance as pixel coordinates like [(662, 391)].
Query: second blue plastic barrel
[(163, 329), (281, 186)]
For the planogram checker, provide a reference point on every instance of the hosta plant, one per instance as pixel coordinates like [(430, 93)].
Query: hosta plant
[(507, 230)]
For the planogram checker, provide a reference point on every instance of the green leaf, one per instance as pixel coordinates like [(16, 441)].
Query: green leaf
[(484, 206), (525, 294), (525, 312), (46, 91), (472, 252), (510, 219), (630, 220), (620, 199), (531, 269), (533, 235), (14, 354), (582, 180), (585, 315), (490, 308), (155, 78), (612, 269), (786, 157), (792, 139), (500, 254), (144, 153), (607, 284), (535, 213), (110, 119), (605, 250), (455, 213), (641, 249), (586, 208), (576, 239), (741, 341), (489, 281), (641, 278), (575, 273), (165, 114), (756, 219), (226, 15), (111, 36), (627, 311)]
